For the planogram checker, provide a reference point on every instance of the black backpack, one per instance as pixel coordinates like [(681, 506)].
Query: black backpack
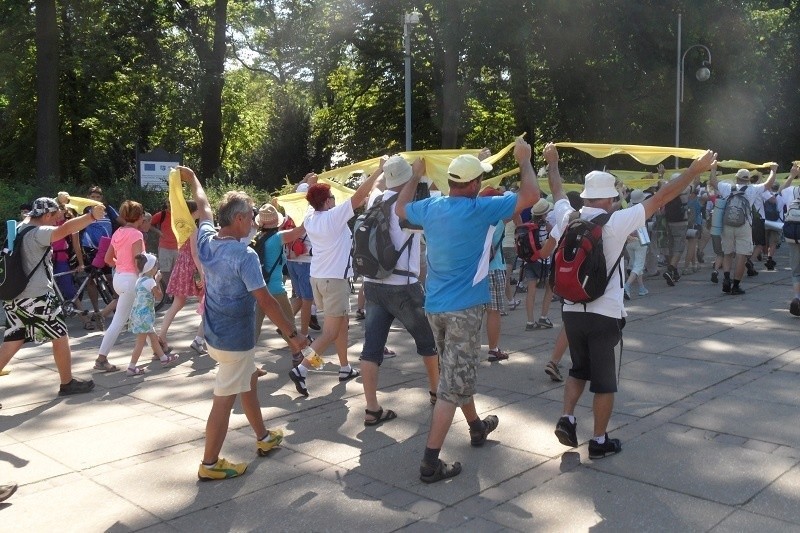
[(675, 210), (374, 254), (13, 279), (258, 244)]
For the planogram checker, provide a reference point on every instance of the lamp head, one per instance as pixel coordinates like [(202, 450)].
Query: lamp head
[(704, 72)]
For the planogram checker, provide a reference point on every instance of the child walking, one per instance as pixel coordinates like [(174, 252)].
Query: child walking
[(143, 313)]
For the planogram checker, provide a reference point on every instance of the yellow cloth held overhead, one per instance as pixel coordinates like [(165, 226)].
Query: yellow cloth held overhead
[(732, 163), (647, 155), (79, 204), (296, 206), (182, 221)]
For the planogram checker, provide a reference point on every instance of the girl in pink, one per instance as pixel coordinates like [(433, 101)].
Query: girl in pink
[(126, 243), (186, 280)]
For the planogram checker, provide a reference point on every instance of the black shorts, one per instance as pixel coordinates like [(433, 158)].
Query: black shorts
[(759, 232), (594, 343)]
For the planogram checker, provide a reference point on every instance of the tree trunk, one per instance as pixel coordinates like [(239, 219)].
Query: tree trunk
[(47, 159), (452, 94), (211, 113)]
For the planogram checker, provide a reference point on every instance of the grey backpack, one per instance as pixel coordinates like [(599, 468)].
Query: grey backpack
[(737, 209)]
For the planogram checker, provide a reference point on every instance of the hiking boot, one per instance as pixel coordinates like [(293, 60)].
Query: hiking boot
[(726, 285), (222, 469), (478, 438), (770, 264), (530, 326), (736, 290), (76, 386), (794, 307), (552, 370), (715, 276), (751, 270), (299, 381), (609, 447), (675, 274), (566, 432), (544, 323), (273, 439), (669, 278)]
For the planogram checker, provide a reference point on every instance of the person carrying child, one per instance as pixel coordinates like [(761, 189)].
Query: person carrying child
[(143, 313)]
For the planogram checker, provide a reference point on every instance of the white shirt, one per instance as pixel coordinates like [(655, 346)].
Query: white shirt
[(409, 259), (615, 235), (331, 239), (753, 193)]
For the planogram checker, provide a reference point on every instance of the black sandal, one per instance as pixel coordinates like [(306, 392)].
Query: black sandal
[(441, 471), (433, 397), (380, 418)]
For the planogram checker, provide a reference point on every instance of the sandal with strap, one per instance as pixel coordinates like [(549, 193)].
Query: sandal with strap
[(346, 376), (379, 417), (169, 361), (433, 397), (135, 371), (105, 366), (441, 471)]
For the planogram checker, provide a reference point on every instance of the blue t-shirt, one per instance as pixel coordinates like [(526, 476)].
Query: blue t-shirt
[(498, 262), (457, 233), (232, 271), (274, 251)]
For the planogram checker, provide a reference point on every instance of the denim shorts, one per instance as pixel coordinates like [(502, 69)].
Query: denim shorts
[(384, 304), (300, 274)]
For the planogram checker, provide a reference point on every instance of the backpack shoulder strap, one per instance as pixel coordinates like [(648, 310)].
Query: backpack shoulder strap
[(18, 246)]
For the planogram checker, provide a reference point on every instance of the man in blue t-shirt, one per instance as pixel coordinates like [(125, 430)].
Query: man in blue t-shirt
[(457, 229), (234, 285)]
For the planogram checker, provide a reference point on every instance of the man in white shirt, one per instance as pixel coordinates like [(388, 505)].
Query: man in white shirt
[(398, 296), (594, 329), (739, 240)]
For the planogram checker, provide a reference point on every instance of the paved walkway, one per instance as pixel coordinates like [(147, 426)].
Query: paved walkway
[(707, 414)]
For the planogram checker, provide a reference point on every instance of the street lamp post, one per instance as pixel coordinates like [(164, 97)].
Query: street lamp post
[(702, 74), (409, 19)]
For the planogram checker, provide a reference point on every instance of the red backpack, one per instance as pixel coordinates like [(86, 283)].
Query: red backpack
[(527, 242), (579, 267)]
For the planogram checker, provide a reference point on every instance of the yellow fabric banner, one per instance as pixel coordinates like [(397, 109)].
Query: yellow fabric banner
[(647, 155), (79, 204), (182, 221), (296, 206), (732, 163)]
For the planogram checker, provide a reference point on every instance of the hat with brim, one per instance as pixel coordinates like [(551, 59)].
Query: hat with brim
[(541, 208), (599, 185), (637, 196), (466, 168), (396, 172), (269, 217), (743, 174), (42, 206)]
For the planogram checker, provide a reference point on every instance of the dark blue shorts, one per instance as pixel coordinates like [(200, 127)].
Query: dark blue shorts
[(384, 304)]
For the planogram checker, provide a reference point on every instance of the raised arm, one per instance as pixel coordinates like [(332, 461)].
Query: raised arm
[(410, 188), (198, 194), (674, 187), (773, 169), (795, 170), (360, 196), (529, 186), (74, 225), (553, 175)]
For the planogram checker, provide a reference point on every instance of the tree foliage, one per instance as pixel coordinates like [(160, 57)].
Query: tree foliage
[(261, 91)]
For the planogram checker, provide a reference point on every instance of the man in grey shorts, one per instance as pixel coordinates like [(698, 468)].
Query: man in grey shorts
[(457, 229)]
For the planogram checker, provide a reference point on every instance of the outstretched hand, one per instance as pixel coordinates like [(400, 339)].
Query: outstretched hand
[(550, 154), (705, 162), (522, 150)]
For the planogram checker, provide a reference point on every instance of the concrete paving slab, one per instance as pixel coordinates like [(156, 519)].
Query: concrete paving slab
[(25, 465), (743, 521), (778, 387), (678, 371), (584, 499), (780, 500), (743, 416), (697, 467), (82, 505)]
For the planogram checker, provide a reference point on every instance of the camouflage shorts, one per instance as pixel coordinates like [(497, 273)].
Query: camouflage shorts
[(457, 336)]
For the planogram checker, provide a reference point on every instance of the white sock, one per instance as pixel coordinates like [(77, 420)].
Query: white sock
[(302, 370), (571, 418), (199, 340), (346, 369), (600, 440)]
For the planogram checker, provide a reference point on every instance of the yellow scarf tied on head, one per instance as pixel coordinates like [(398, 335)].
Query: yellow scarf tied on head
[(182, 220)]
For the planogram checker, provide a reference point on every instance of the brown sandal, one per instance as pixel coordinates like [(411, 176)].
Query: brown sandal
[(105, 366)]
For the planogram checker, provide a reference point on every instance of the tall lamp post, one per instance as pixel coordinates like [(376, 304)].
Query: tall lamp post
[(702, 74), (409, 20)]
